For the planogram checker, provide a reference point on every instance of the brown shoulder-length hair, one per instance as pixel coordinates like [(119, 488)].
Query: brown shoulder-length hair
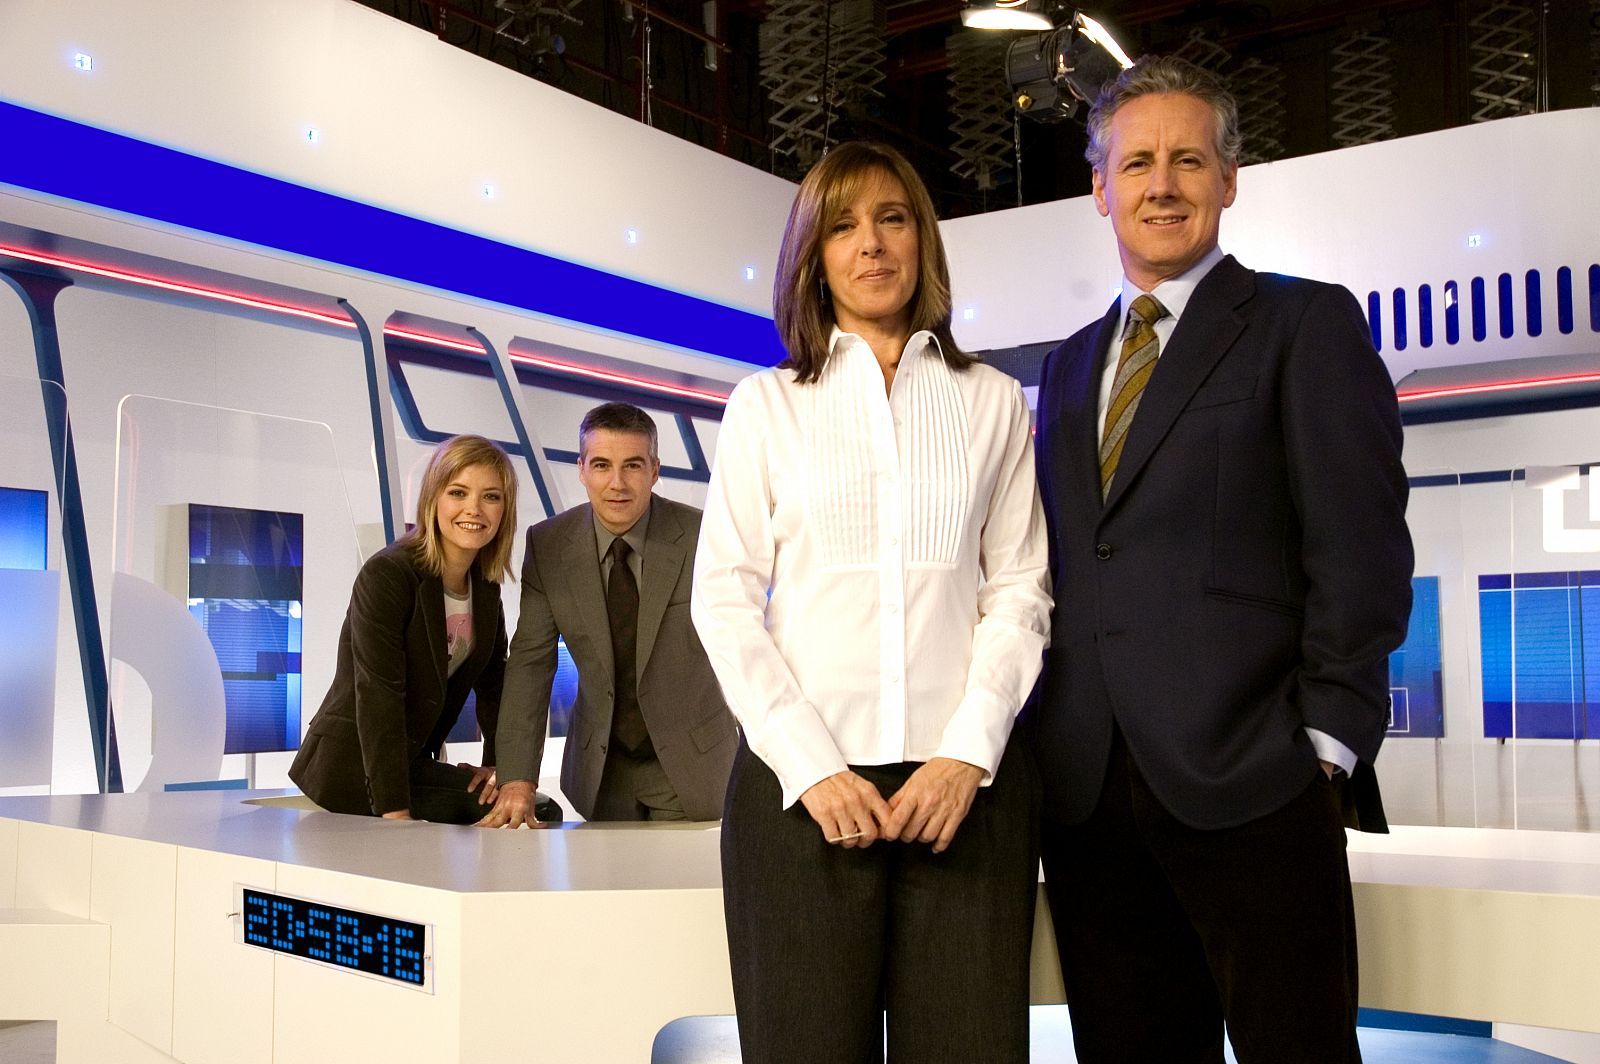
[(449, 459), (802, 306)]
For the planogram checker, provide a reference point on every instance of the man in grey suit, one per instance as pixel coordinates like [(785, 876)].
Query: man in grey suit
[(651, 738)]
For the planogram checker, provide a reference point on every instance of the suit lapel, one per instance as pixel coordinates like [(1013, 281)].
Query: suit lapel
[(485, 597), (1074, 444), (1204, 334), (431, 593), (583, 582), (664, 556)]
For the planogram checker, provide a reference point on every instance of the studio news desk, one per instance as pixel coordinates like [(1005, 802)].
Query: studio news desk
[(576, 945)]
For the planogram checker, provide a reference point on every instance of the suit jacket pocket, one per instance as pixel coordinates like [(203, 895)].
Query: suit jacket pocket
[(1260, 602), (1220, 393), (713, 731)]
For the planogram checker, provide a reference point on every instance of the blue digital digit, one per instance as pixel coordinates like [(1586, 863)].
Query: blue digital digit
[(341, 937)]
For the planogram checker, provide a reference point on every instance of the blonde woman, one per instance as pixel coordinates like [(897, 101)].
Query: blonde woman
[(424, 628)]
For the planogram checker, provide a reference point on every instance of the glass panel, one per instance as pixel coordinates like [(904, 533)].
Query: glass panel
[(1545, 633), (39, 665), (1436, 766), (234, 547)]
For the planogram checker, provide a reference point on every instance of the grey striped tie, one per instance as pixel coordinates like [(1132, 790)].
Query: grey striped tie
[(1140, 348)]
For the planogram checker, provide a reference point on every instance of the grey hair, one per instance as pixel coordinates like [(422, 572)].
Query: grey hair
[(1154, 75), (617, 417)]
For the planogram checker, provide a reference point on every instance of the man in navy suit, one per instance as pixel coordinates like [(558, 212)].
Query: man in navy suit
[(1220, 463)]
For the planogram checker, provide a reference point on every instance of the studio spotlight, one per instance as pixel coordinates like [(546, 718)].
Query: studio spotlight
[(1010, 14), (1049, 73)]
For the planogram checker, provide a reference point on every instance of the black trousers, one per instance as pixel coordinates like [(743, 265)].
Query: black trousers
[(824, 941), (439, 793), (1167, 932)]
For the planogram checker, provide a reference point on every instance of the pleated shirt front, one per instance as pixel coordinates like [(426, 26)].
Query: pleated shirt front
[(903, 544)]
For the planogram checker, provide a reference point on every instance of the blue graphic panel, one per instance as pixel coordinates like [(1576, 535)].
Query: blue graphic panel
[(1538, 630), (24, 529), (245, 577), (563, 693), (1416, 685)]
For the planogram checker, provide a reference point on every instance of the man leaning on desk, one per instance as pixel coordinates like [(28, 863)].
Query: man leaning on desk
[(651, 738)]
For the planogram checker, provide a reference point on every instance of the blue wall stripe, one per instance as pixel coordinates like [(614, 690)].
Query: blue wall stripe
[(1564, 300), (1399, 319), (108, 170), (1594, 298), (1425, 315), (1508, 322), (1480, 313), (1375, 319), (1534, 300)]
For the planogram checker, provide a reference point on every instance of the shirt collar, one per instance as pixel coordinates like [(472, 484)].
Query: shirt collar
[(921, 342), (1174, 292), (634, 536)]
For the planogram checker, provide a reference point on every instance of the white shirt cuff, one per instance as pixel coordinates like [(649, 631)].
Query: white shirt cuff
[(1330, 749)]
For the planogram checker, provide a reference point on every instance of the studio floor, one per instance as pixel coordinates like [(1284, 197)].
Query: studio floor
[(714, 1040)]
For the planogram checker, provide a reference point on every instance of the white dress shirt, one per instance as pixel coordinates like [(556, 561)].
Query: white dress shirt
[(1173, 294), (903, 543)]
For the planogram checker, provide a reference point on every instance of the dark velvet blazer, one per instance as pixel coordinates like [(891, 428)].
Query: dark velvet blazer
[(1249, 573), (390, 702)]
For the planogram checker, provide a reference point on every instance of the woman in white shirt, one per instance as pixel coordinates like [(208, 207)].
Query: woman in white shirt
[(871, 587)]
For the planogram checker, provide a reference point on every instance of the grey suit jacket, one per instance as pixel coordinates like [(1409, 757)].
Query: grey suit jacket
[(690, 726)]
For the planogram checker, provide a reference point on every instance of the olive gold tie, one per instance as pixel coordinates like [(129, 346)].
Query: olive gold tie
[(1140, 348)]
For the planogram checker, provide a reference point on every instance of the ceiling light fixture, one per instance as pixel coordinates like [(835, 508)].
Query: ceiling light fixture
[(1050, 72), (1010, 15)]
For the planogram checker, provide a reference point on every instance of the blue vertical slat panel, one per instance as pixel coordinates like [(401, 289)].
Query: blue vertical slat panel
[(1564, 300)]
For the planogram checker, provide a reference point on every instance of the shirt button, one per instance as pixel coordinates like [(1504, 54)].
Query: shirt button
[(891, 608), (894, 541), (1103, 551)]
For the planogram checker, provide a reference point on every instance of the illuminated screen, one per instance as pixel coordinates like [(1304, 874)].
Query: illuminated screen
[(345, 938), (1416, 685), (563, 693), (245, 579), (24, 528), (1539, 631)]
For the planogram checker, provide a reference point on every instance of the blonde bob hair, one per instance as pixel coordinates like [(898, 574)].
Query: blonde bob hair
[(449, 459), (802, 305)]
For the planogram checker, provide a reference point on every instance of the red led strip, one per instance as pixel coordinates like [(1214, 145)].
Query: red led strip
[(568, 368), (621, 378), (436, 341), (176, 286), (342, 322), (1498, 386)]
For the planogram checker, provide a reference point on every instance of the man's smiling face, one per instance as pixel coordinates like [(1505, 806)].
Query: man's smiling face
[(1164, 185)]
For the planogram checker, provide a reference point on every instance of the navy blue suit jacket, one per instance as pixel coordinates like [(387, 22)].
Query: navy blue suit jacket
[(1249, 573)]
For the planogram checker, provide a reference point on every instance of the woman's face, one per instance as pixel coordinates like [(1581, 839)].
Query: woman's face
[(870, 258), (469, 509)]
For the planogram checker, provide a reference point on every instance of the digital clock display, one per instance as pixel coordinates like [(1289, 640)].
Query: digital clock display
[(380, 946)]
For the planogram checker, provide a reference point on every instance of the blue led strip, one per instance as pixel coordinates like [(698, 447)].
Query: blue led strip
[(78, 162)]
